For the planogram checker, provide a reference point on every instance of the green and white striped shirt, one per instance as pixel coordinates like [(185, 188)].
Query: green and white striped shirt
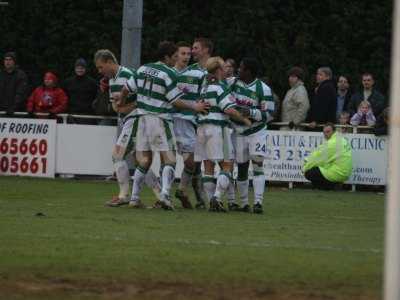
[(119, 80), (258, 97), (117, 83), (220, 98), (190, 81), (156, 89)]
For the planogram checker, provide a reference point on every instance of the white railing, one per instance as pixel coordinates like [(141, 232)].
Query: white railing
[(354, 128), (64, 118)]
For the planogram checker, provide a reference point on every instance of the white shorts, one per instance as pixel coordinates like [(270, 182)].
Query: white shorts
[(126, 137), (154, 134), (251, 146), (214, 143), (185, 134)]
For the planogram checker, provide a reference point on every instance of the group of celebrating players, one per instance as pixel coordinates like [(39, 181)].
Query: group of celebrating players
[(209, 119)]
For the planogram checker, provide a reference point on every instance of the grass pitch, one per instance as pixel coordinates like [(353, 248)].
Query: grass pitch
[(58, 241)]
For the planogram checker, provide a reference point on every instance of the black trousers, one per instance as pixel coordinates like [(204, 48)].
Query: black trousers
[(318, 180)]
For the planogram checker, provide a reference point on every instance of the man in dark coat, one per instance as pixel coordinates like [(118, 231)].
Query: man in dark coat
[(81, 90), (13, 86), (369, 93), (323, 104), (343, 96)]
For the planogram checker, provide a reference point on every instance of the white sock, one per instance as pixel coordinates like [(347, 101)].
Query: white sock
[(231, 192), (186, 179), (138, 181), (167, 179), (209, 186), (258, 184), (122, 173), (151, 180), (223, 181), (198, 186), (243, 187)]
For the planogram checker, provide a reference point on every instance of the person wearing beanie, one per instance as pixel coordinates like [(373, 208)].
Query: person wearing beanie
[(81, 90), (13, 85), (10, 56), (48, 98)]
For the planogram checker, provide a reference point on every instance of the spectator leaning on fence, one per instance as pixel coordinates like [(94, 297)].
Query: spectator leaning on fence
[(48, 98), (331, 162), (13, 86), (295, 105), (344, 120), (343, 95), (382, 123), (369, 93), (81, 90), (364, 115), (323, 104)]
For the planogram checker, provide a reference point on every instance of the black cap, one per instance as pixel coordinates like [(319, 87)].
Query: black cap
[(81, 62), (11, 55)]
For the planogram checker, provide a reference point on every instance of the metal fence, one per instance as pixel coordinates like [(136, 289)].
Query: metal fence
[(64, 119)]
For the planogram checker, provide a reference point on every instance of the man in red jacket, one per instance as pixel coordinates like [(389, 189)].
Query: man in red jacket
[(48, 98)]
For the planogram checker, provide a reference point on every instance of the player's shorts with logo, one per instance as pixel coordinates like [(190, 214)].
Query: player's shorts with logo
[(185, 134), (126, 137), (154, 134), (250, 146), (214, 143)]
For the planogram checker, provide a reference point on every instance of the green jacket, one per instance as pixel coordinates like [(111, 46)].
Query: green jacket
[(333, 158)]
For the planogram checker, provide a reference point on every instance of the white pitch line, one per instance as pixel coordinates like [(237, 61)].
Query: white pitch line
[(266, 245), (276, 245)]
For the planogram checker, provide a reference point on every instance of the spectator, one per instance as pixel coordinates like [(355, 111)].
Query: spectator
[(369, 93), (364, 115), (295, 105), (48, 98), (343, 96), (229, 68), (13, 86), (331, 162), (102, 105), (381, 126), (81, 90), (323, 104), (344, 120)]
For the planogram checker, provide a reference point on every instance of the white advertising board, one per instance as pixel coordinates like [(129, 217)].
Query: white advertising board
[(27, 147), (85, 149), (288, 149), (42, 148)]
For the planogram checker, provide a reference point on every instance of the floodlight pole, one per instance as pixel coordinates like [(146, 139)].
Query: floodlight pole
[(131, 33), (392, 238)]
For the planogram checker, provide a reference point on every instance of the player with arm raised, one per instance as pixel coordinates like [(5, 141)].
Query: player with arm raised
[(157, 95), (107, 64), (214, 144), (254, 99)]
